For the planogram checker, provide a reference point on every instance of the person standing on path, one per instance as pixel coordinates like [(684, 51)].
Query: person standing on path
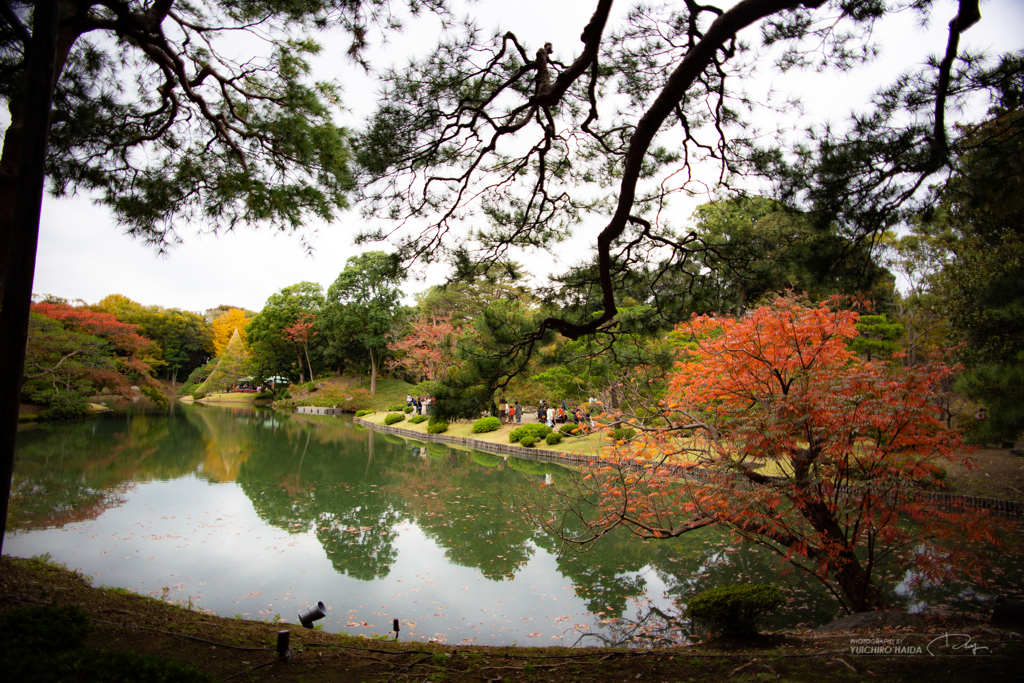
[(519, 412)]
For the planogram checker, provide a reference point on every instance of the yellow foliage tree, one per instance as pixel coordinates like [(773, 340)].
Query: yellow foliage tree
[(224, 326)]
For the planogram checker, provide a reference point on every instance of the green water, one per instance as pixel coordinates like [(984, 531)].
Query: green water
[(248, 512)]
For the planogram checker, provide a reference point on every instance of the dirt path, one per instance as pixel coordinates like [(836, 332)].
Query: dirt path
[(997, 474)]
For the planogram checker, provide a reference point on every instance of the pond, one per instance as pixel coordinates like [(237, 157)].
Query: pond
[(253, 513)]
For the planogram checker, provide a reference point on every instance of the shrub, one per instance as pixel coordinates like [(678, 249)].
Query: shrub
[(527, 441), (733, 610), (264, 396), (310, 386), (198, 394), (623, 434), (408, 409), (393, 418), (360, 413), (416, 419), (46, 644), (64, 407), (569, 429), (436, 427), (45, 628), (553, 438), (399, 408), (534, 429), (486, 424)]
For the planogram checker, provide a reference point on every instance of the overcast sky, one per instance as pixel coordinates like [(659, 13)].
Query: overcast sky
[(83, 254)]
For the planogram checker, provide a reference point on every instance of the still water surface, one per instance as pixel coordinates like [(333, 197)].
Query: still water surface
[(252, 513)]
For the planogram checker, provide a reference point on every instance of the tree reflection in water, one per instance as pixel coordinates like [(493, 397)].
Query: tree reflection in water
[(357, 492)]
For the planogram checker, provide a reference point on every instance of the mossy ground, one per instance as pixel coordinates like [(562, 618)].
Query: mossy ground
[(126, 622)]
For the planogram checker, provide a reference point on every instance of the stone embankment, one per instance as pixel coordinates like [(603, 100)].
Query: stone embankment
[(999, 507)]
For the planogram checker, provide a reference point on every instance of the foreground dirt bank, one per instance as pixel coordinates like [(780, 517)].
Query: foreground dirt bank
[(125, 621)]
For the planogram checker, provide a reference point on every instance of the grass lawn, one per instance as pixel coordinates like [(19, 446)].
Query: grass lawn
[(347, 393), (228, 398)]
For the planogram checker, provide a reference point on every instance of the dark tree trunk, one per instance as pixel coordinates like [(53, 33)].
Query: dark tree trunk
[(24, 235)]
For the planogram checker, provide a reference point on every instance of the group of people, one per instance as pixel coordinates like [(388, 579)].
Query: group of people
[(421, 404), (510, 412), (560, 414), (551, 414)]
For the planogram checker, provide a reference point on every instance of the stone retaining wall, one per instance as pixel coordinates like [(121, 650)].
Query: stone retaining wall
[(998, 506), (313, 410)]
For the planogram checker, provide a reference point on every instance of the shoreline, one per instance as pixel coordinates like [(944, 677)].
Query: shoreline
[(999, 506), (223, 647)]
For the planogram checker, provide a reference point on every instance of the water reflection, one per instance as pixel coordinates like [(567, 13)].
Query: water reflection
[(255, 512)]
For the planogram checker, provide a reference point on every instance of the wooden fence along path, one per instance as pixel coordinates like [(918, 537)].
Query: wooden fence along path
[(998, 506)]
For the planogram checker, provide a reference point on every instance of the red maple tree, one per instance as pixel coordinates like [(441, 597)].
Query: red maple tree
[(124, 337), (301, 333), (119, 365), (428, 349), (774, 429)]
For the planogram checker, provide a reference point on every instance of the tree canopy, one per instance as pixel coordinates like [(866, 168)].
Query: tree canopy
[(361, 305), (537, 143)]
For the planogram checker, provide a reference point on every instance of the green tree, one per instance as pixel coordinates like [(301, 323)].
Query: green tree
[(146, 103), (184, 338), (360, 308), (879, 336), (981, 219), (487, 125), (464, 298), (269, 342), (757, 246), (918, 257)]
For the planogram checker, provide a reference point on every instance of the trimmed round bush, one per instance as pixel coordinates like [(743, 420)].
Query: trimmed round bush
[(198, 394), (437, 427), (527, 441), (569, 429), (360, 413), (393, 418), (398, 408), (732, 611), (486, 424), (553, 438), (408, 409), (534, 429), (416, 419)]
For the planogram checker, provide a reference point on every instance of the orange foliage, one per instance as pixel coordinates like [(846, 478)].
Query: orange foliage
[(801, 447), (224, 326), (428, 350)]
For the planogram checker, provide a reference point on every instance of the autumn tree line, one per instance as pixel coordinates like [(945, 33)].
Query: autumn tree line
[(958, 302)]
